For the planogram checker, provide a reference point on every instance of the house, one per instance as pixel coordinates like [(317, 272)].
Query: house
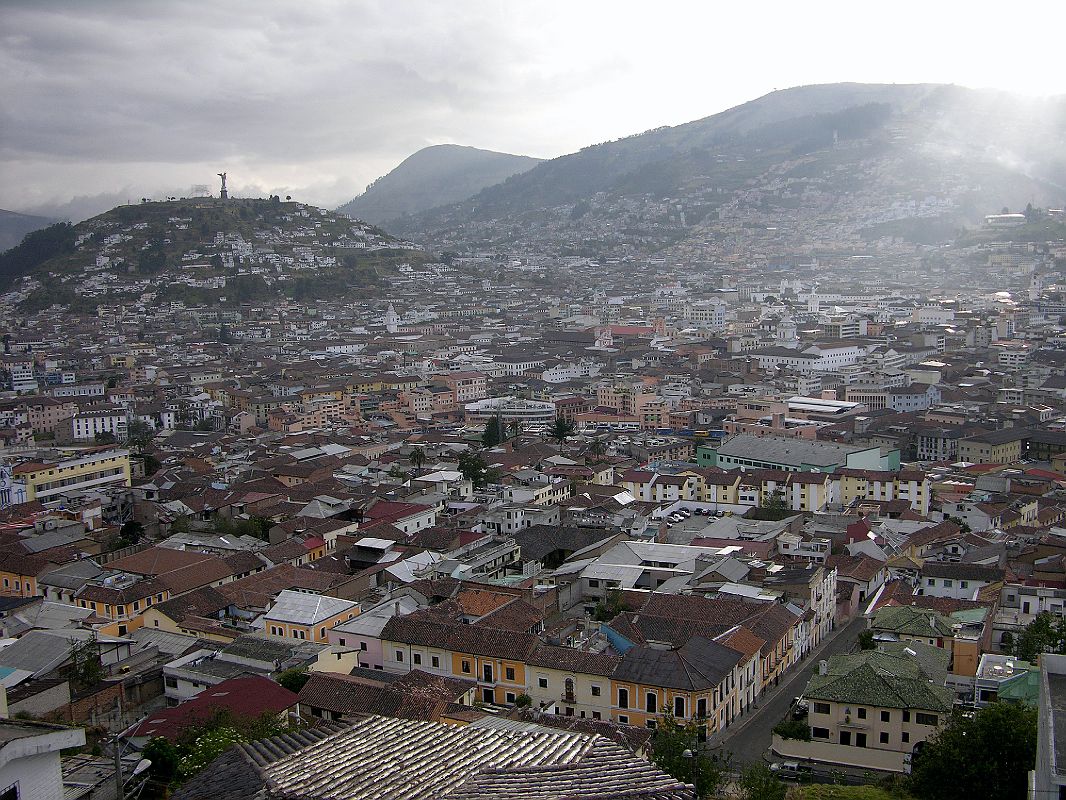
[(957, 580), (869, 710), (306, 617), (241, 697), (30, 758), (1049, 778), (438, 760)]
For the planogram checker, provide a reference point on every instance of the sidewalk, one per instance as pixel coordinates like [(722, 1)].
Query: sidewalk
[(785, 688)]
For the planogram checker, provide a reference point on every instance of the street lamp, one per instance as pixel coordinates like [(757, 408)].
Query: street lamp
[(689, 755)]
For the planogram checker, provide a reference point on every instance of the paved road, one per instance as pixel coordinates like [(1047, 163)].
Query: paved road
[(749, 738)]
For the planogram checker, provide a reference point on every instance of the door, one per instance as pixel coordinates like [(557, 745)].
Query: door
[(845, 737), (488, 673)]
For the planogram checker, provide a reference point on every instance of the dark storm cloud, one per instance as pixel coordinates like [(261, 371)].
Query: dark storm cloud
[(121, 81), (110, 83)]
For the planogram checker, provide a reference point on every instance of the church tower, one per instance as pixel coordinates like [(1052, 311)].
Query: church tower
[(392, 320)]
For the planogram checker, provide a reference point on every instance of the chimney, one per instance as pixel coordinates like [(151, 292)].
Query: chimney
[(823, 667)]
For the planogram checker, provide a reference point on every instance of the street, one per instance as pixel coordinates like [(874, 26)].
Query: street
[(749, 737)]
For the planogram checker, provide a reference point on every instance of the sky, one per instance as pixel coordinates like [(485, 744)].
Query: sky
[(104, 101)]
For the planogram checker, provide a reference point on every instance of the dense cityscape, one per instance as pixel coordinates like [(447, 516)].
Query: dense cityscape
[(726, 460)]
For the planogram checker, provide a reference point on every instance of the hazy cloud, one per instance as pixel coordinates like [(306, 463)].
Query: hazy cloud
[(315, 99)]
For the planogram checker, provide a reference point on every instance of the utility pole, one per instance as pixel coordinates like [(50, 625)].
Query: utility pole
[(119, 787)]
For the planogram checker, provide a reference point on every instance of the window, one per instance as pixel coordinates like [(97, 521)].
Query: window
[(906, 737), (321, 633), (340, 642), (510, 696), (171, 681), (466, 667), (947, 582), (435, 661), (820, 733), (925, 719), (509, 673), (623, 699), (860, 740), (595, 714), (651, 702), (362, 645), (679, 707), (595, 690), (594, 583), (931, 582), (399, 655), (821, 708), (906, 716), (542, 682), (417, 658), (861, 713), (650, 724), (623, 719), (883, 737), (886, 716), (964, 584), (701, 707)]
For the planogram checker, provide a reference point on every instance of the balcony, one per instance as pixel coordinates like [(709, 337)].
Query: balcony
[(568, 697)]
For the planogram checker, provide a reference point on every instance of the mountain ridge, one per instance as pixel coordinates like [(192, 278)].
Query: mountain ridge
[(1006, 148), (431, 177)]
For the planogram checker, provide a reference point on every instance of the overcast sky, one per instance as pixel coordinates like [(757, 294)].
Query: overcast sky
[(104, 100)]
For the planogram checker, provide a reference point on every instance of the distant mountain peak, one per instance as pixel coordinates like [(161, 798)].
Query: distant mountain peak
[(434, 176)]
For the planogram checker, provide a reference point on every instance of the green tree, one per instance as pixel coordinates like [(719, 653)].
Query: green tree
[(85, 670), (866, 640), (492, 435), (610, 607), (988, 754), (294, 679), (675, 750), (164, 757), (523, 700), (417, 458), (793, 729), (104, 437), (474, 468), (139, 435), (1042, 635), (131, 532), (758, 782), (561, 429)]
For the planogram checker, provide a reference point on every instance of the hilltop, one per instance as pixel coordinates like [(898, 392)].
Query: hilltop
[(15, 226), (201, 251), (434, 176), (802, 161)]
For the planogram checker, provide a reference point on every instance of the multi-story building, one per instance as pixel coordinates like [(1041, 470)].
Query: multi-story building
[(69, 474)]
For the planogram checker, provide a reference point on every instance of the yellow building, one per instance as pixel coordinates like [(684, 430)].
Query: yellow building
[(306, 617), (698, 681), (76, 471)]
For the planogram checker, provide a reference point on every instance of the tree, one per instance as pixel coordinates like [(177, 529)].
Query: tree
[(561, 429), (474, 469), (139, 435), (523, 700), (987, 754), (1042, 635), (492, 435), (758, 782), (417, 458), (294, 679), (164, 758), (676, 750), (131, 532), (611, 607), (866, 640), (85, 670), (104, 437)]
